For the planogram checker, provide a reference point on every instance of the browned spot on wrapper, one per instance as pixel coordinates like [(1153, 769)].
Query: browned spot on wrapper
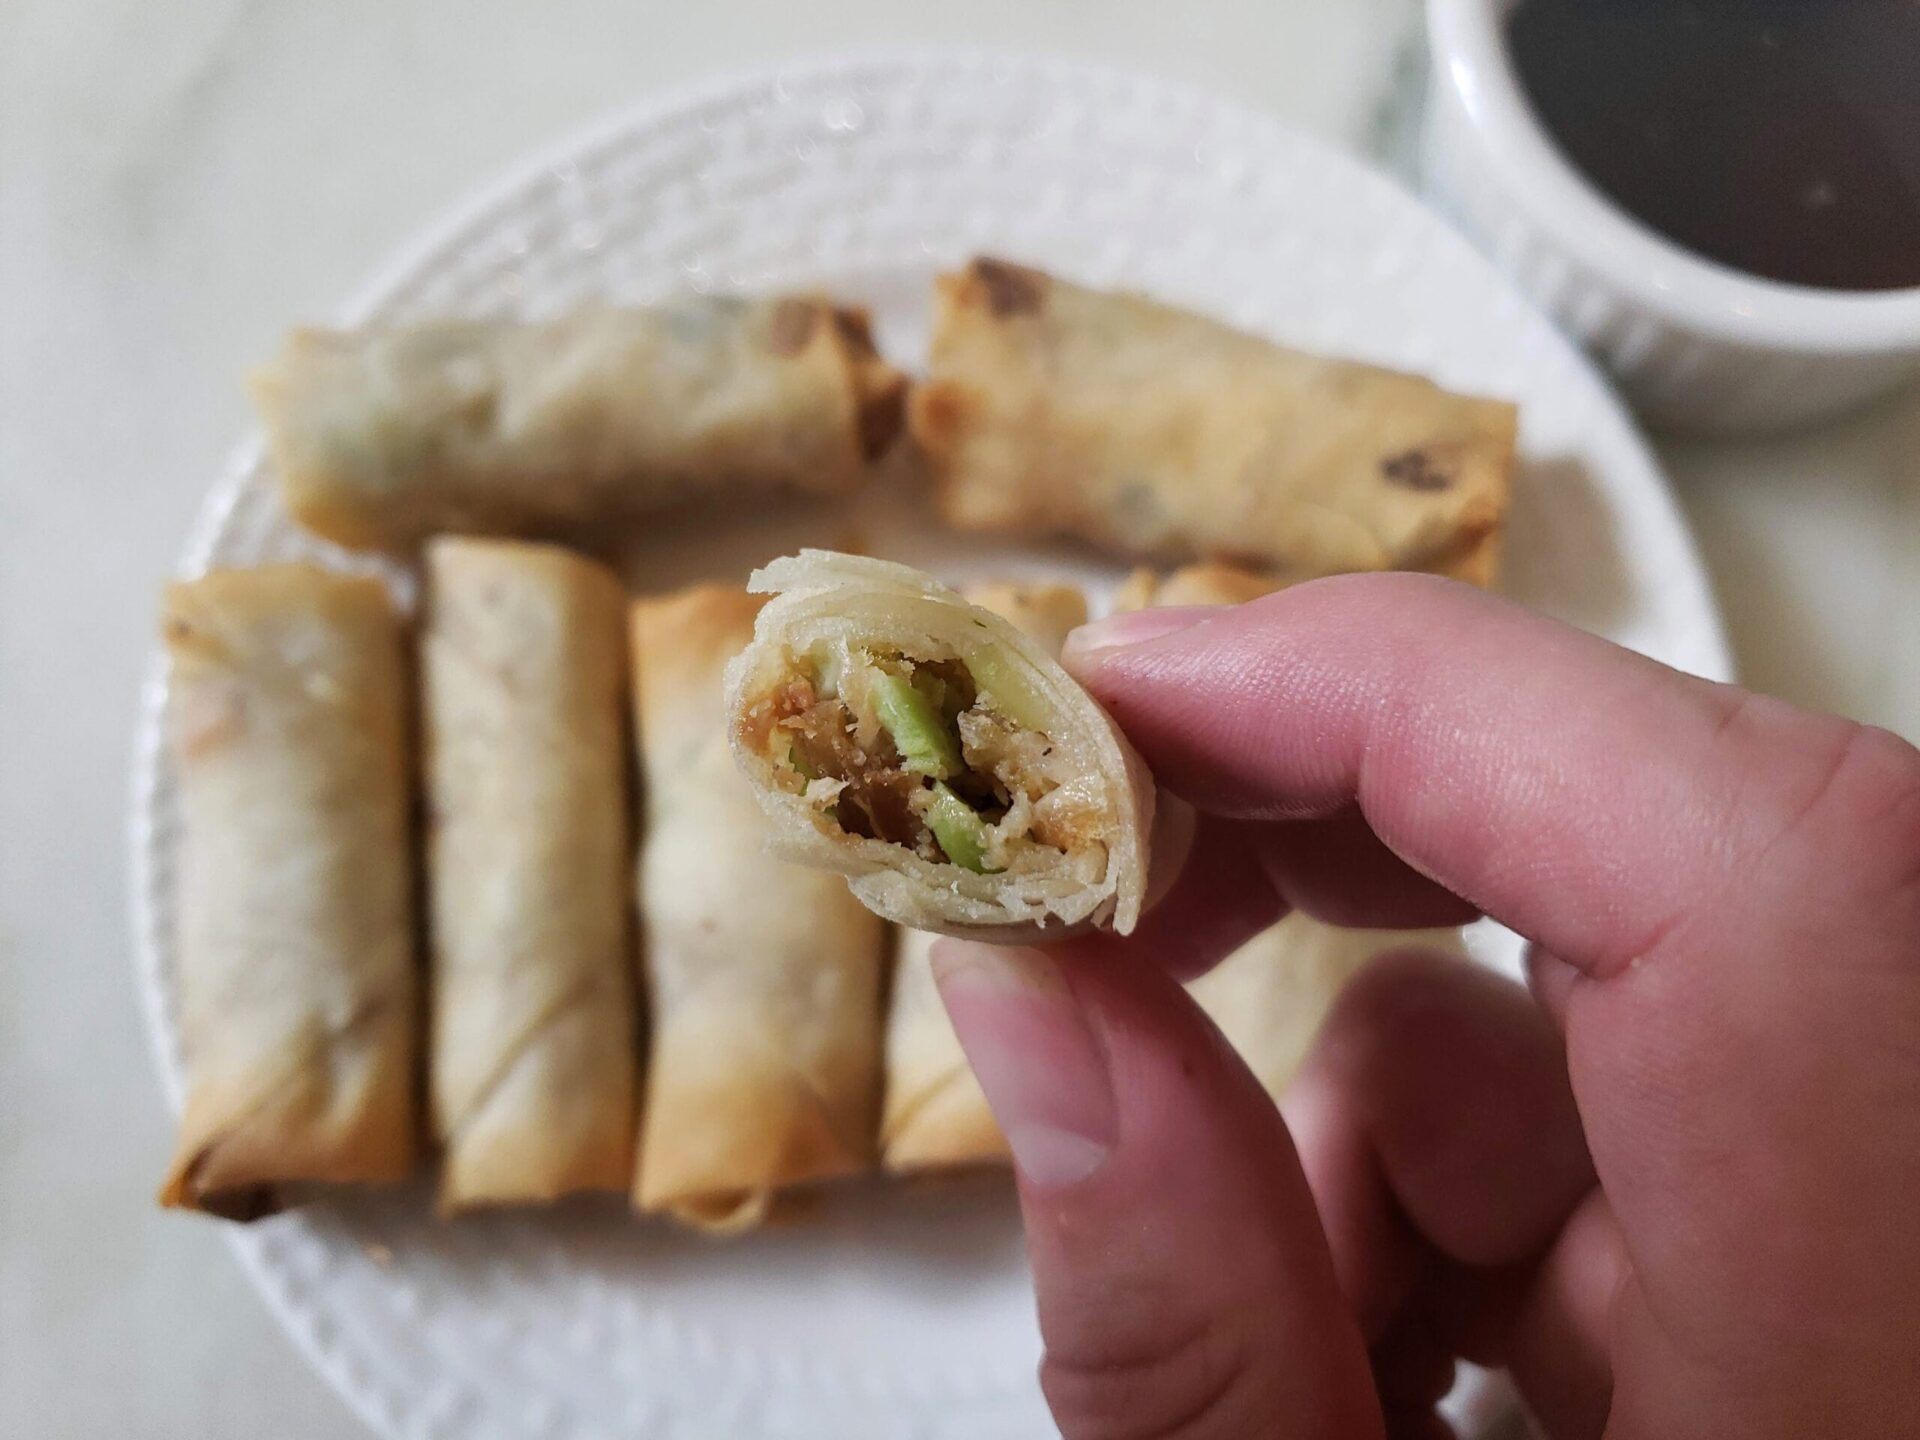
[(1011, 289), (243, 1203), (792, 328), (939, 413), (854, 328), (882, 411), (1417, 470), (880, 390)]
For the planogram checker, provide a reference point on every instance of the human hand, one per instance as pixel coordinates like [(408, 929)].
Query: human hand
[(1676, 1191)]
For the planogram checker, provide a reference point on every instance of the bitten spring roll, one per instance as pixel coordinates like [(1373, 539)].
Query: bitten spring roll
[(385, 435), (1271, 995), (287, 720), (934, 1116), (936, 756), (533, 1024), (765, 977), (1050, 408)]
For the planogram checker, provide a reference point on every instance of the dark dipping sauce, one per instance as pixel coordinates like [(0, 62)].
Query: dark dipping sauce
[(1781, 137)]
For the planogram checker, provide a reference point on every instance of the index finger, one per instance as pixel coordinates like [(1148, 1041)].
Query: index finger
[(1586, 796)]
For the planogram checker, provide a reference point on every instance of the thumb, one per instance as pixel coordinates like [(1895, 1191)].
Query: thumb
[(1184, 1283)]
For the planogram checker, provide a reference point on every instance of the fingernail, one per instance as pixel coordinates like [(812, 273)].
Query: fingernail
[(1044, 1076), (1135, 627)]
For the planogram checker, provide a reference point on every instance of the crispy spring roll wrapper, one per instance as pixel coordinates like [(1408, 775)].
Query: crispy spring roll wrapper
[(1194, 585), (1050, 408), (934, 1116), (1045, 807), (1271, 995), (288, 719), (532, 1073), (765, 977), (382, 436)]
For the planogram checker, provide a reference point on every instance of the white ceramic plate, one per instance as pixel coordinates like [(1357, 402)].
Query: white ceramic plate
[(892, 1312)]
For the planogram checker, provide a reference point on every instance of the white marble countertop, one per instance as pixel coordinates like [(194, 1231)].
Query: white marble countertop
[(179, 181)]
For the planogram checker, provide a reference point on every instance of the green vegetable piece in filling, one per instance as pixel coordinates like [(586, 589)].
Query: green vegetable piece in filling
[(961, 833), (925, 744), (1003, 681), (938, 694)]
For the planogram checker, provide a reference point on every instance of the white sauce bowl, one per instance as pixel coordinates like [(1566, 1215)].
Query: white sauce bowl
[(1694, 345)]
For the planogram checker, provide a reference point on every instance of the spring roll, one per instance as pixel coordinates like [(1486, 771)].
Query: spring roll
[(1194, 585), (765, 977), (1270, 996), (1050, 408), (934, 1116), (383, 436), (935, 755), (534, 1033), (287, 720)]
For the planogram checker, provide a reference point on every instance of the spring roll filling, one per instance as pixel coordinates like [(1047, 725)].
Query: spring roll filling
[(948, 758)]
